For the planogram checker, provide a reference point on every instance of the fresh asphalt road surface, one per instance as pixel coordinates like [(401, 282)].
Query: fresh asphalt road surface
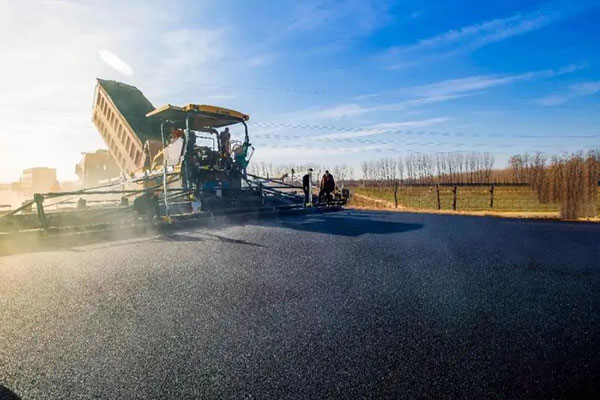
[(349, 304)]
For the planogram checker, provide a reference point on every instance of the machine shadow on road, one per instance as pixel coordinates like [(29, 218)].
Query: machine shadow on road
[(345, 225), (204, 237), (7, 394), (115, 239)]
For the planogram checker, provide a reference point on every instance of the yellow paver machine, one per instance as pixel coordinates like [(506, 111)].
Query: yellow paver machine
[(178, 163), (211, 166), (183, 129)]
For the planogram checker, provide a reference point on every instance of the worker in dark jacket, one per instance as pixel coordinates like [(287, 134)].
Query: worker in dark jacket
[(225, 139), (327, 187), (187, 171), (322, 185), (306, 187), (330, 184)]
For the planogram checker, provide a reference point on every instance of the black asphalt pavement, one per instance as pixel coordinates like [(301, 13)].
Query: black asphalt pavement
[(341, 305)]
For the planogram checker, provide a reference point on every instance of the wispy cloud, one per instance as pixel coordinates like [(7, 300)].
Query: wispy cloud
[(572, 92), (467, 38), (357, 17), (303, 153), (261, 60), (481, 82), (436, 92), (341, 22), (182, 42), (341, 111), (115, 62), (383, 128), (220, 96)]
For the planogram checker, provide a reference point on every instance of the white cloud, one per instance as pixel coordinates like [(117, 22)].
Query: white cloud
[(181, 54), (419, 101), (436, 92), (552, 100), (347, 17), (348, 110), (220, 97), (116, 63), (465, 39), (586, 88), (304, 154), (441, 91), (573, 91), (383, 128), (480, 82), (340, 111), (261, 60), (341, 22)]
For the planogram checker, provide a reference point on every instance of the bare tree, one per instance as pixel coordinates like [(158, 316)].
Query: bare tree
[(401, 168), (342, 173), (569, 180)]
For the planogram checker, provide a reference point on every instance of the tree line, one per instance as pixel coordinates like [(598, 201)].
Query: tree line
[(431, 168), (569, 179), (341, 172), (423, 168)]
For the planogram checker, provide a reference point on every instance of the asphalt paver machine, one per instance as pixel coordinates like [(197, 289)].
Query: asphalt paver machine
[(195, 170), (211, 167)]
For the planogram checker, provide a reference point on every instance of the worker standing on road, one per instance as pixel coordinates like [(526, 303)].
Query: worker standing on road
[(329, 186), (322, 186), (306, 183)]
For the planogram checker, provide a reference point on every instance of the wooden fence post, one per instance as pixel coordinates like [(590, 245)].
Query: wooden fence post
[(492, 196), (454, 198), (396, 194), (437, 190)]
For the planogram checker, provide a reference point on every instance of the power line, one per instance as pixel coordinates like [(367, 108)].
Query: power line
[(361, 96), (376, 130)]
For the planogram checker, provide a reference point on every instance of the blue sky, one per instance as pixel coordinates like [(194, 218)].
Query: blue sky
[(323, 81)]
